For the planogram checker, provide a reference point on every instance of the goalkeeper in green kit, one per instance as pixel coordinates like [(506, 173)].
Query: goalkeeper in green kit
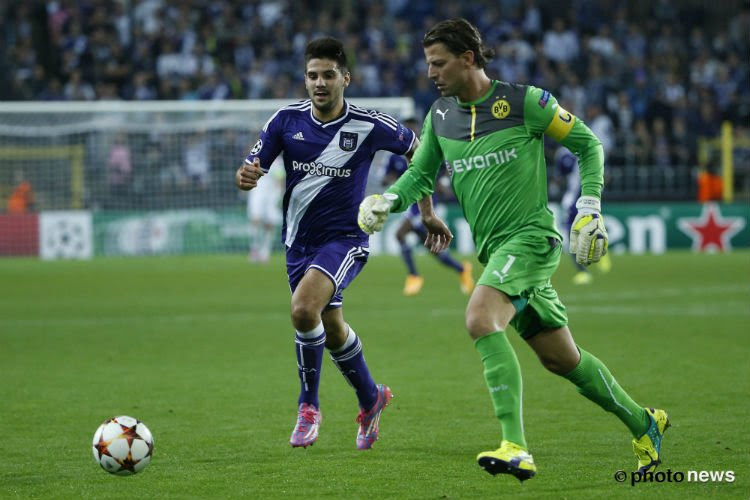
[(490, 134)]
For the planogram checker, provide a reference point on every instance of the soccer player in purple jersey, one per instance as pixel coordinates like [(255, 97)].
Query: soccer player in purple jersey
[(411, 222), (328, 145)]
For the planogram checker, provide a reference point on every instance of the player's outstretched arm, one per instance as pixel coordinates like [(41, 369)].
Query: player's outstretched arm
[(248, 174)]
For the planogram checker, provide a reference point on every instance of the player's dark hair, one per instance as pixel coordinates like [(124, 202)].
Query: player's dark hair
[(327, 47), (459, 35)]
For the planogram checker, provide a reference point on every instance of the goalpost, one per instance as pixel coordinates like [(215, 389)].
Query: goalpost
[(132, 177)]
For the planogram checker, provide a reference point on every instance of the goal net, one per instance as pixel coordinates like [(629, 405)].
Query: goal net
[(80, 179)]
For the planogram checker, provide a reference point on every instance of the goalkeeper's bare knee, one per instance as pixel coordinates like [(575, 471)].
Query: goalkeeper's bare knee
[(556, 350), (559, 365)]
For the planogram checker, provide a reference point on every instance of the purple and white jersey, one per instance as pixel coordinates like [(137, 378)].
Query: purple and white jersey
[(326, 167)]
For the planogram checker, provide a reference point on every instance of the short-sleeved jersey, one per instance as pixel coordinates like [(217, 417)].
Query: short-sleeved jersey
[(494, 150), (326, 167)]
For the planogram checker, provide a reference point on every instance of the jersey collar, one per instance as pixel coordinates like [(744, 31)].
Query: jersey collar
[(493, 84), (341, 118)]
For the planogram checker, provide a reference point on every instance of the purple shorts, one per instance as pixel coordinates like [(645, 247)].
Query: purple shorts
[(340, 260)]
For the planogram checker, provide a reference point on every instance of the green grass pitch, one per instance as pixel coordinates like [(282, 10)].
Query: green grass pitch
[(200, 348)]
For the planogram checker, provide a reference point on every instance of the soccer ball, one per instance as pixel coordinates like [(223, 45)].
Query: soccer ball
[(123, 445)]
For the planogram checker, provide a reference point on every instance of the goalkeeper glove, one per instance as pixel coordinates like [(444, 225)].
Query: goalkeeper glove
[(588, 236), (373, 212)]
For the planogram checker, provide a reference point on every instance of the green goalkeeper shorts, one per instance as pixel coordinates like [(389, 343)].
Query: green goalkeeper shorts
[(521, 268)]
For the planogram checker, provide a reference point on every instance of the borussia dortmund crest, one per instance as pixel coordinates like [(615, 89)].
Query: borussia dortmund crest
[(500, 109), (348, 141)]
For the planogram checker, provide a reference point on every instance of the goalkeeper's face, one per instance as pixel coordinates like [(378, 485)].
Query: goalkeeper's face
[(325, 83), (449, 71)]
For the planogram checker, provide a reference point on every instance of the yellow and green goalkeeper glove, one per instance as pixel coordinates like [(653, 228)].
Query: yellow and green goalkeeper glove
[(373, 212), (588, 236)]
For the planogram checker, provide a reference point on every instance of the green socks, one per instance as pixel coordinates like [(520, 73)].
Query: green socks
[(594, 381), (502, 373)]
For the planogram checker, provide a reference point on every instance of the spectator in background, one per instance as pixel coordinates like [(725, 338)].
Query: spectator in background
[(666, 44), (573, 93), (661, 154), (710, 185), (38, 81), (601, 125), (53, 91), (517, 55), (635, 43), (723, 87), (142, 88), (213, 88), (73, 40), (146, 168), (117, 70), (147, 16), (596, 82), (560, 44), (640, 94), (739, 27), (603, 43), (172, 175), (196, 160), (705, 124), (639, 149), (683, 141), (703, 69), (119, 167), (424, 94), (122, 23), (532, 21), (21, 199), (669, 59), (106, 91), (673, 89), (77, 89), (623, 112)]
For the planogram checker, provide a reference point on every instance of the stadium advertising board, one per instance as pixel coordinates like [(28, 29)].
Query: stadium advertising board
[(63, 234), (633, 228)]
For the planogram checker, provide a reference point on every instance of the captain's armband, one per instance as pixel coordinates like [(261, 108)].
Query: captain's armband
[(561, 124)]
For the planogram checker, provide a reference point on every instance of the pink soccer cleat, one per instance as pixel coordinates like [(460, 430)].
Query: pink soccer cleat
[(367, 433), (305, 433)]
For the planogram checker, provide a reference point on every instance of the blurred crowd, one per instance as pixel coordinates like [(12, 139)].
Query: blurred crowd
[(650, 77)]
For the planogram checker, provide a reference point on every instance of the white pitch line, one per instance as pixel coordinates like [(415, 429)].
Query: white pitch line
[(647, 292), (575, 303), (702, 310)]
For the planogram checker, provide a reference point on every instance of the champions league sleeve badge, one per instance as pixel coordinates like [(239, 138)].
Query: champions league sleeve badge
[(348, 141)]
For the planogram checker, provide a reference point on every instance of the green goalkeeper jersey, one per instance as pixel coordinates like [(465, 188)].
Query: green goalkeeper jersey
[(493, 149)]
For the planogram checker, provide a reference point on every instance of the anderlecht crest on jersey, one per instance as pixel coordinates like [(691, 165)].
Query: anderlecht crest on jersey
[(348, 141)]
